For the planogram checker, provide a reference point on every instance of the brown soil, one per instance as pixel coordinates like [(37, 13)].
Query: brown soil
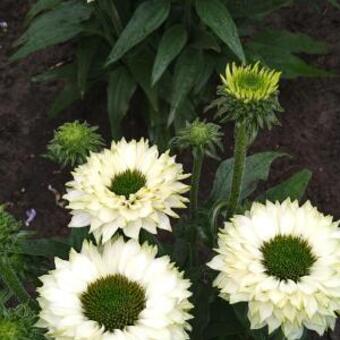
[(310, 126)]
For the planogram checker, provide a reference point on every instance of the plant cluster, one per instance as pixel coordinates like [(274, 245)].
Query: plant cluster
[(128, 270), (168, 51)]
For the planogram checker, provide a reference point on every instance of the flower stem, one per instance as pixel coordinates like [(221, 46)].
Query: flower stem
[(12, 281), (195, 179), (240, 153), (216, 211)]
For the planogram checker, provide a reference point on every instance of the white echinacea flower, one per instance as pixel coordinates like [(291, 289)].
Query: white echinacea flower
[(129, 187), (117, 291), (284, 261)]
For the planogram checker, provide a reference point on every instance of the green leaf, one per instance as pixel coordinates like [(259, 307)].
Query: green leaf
[(203, 296), (140, 66), (171, 44), (293, 42), (205, 73), (216, 16), (205, 41), (187, 67), (39, 7), (223, 322), (335, 3), (68, 95), (148, 16), (257, 168), (44, 248), (294, 187), (120, 89), (278, 49), (54, 27), (77, 237), (86, 52), (66, 71), (180, 252)]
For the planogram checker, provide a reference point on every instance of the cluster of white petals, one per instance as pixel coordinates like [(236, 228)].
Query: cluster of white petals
[(312, 301), (93, 203), (166, 311)]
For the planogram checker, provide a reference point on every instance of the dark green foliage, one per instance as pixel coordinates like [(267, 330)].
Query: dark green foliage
[(171, 50), (294, 188), (19, 324), (257, 169)]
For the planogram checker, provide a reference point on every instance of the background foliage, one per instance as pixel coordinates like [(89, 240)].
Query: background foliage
[(171, 51)]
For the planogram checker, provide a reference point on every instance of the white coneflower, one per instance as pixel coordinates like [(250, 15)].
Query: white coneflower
[(128, 187), (284, 260), (119, 291)]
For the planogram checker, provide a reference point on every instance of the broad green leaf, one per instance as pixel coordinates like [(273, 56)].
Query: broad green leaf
[(204, 40), (278, 49), (205, 73), (283, 60), (39, 7), (294, 187), (223, 322), (251, 8), (86, 51), (66, 71), (202, 298), (257, 169), (171, 44), (44, 248), (148, 16), (180, 251), (68, 95), (335, 3), (120, 89), (185, 113), (77, 237), (54, 27), (187, 67), (216, 16), (140, 66), (293, 42)]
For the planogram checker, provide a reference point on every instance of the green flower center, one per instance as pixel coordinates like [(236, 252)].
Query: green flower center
[(199, 134), (287, 257), (250, 81), (114, 302), (73, 134), (128, 182), (9, 330)]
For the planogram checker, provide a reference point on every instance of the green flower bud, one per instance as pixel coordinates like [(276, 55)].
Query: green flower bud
[(249, 95), (19, 324), (72, 143), (199, 135)]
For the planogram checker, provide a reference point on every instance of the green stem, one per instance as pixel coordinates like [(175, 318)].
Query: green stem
[(195, 179), (12, 281), (240, 153), (217, 209)]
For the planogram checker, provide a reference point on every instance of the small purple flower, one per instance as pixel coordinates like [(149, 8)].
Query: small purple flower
[(31, 214), (3, 25)]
